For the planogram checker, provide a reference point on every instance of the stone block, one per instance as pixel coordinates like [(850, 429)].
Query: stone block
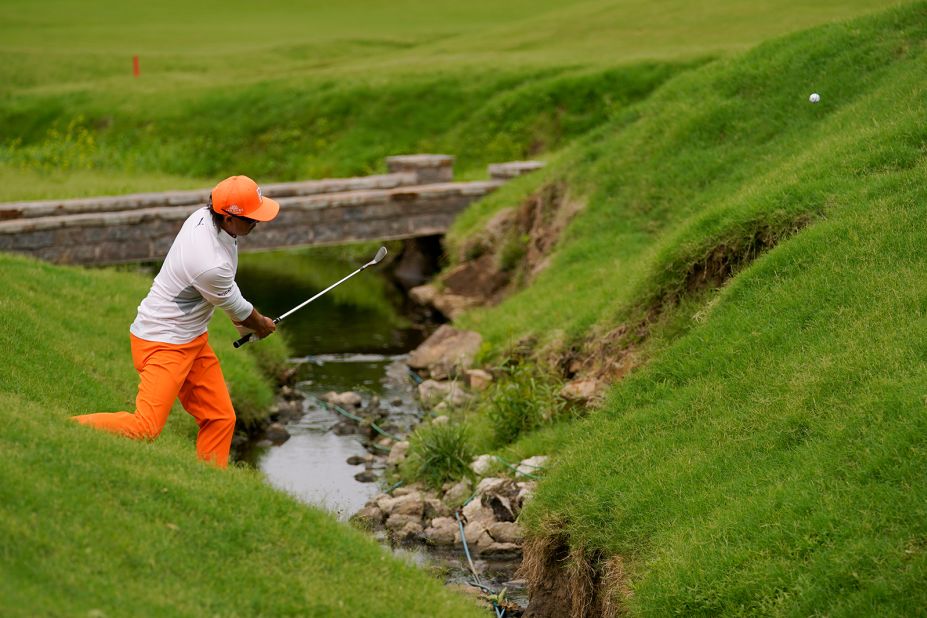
[(580, 391), (513, 169), (445, 351), (482, 464), (428, 168), (397, 454), (474, 531), (506, 532), (474, 511), (478, 379), (412, 530), (500, 549), (435, 508), (432, 393), (443, 531), (397, 521), (457, 493), (410, 504)]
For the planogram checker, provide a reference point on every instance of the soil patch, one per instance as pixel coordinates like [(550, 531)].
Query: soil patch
[(509, 252), (564, 582), (608, 357)]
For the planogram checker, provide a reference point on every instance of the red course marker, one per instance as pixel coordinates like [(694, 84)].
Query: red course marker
[(135, 70)]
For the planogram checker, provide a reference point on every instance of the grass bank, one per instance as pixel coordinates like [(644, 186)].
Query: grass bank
[(92, 522), (313, 127), (315, 91), (766, 456), (82, 309), (761, 260)]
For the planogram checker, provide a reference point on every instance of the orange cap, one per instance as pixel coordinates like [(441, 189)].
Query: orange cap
[(241, 196)]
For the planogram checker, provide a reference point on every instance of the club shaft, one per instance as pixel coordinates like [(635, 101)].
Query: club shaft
[(336, 284), (376, 260)]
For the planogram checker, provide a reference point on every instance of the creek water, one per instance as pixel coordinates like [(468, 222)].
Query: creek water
[(354, 338)]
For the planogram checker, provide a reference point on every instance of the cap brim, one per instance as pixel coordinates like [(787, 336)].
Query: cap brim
[(266, 211)]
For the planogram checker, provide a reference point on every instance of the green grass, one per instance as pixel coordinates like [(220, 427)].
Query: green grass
[(92, 312), (309, 128), (285, 92), (772, 460), (767, 457), (438, 454), (95, 522), (718, 153), (63, 45)]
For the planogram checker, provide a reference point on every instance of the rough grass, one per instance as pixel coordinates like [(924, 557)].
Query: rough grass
[(439, 453), (93, 310), (310, 128), (716, 155), (96, 524), (289, 92), (768, 458)]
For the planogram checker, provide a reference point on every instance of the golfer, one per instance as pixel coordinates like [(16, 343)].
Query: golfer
[(170, 347)]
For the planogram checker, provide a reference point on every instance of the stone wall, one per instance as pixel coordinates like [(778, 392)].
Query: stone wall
[(138, 201), (409, 202)]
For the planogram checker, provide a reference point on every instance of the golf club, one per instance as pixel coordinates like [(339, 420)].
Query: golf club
[(376, 260)]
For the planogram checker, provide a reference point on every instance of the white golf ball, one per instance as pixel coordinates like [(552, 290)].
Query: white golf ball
[(815, 97)]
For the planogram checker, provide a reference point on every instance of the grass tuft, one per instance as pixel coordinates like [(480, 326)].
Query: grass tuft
[(439, 453), (522, 400)]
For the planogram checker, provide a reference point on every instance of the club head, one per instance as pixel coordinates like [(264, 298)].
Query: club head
[(379, 256)]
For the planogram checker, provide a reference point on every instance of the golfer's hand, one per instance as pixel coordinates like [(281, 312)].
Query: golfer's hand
[(260, 325), (265, 327)]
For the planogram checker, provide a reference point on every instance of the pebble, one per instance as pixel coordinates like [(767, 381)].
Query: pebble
[(482, 464), (277, 433)]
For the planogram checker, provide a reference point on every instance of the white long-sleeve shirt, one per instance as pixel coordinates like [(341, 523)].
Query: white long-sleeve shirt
[(197, 276)]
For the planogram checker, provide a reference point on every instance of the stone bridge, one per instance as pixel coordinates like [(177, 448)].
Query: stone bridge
[(416, 198)]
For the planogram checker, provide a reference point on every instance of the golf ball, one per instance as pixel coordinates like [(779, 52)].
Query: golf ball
[(815, 97)]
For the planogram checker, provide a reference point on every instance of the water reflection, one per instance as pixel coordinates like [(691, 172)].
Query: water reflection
[(311, 466), (353, 338), (364, 314)]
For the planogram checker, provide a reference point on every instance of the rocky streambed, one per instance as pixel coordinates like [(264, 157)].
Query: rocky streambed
[(336, 449)]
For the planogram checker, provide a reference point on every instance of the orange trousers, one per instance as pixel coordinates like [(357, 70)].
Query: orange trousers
[(189, 371)]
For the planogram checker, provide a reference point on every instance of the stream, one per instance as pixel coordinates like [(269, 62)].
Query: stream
[(355, 338)]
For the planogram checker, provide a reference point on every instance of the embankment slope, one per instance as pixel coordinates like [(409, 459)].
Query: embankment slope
[(764, 260), (95, 524)]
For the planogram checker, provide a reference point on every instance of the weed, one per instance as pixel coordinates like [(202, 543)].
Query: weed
[(72, 149), (513, 251), (439, 453), (523, 400)]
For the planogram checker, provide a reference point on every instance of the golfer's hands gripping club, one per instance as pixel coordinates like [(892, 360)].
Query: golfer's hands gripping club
[(260, 325)]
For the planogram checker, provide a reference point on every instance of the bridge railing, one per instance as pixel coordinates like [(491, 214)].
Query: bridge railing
[(417, 198)]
